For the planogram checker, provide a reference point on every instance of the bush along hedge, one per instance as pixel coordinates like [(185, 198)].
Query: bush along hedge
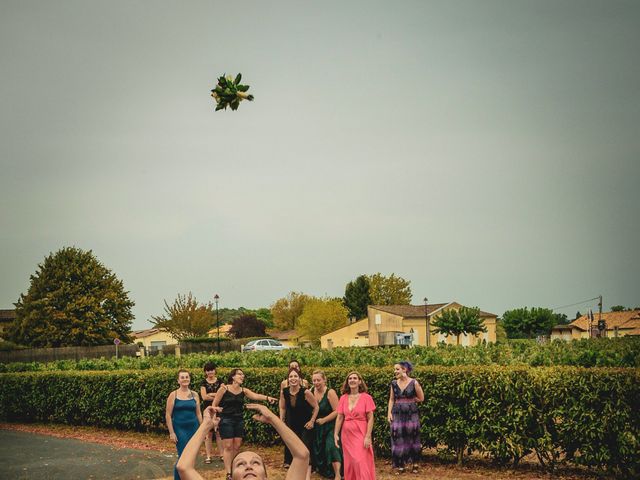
[(563, 415), (603, 352)]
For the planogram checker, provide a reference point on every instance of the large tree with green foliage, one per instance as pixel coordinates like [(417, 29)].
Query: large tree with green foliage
[(228, 315), (247, 325), (286, 311), (73, 300), (389, 290), (357, 297), (529, 323), (186, 317), (465, 321), (322, 315)]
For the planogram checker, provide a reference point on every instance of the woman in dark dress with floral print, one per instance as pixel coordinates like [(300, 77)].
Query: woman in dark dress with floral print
[(404, 394)]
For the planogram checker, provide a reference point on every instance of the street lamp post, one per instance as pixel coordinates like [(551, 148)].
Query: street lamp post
[(216, 297), (426, 318)]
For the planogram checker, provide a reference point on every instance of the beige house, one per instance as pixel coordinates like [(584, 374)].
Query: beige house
[(153, 338), (403, 325), (355, 334), (618, 324)]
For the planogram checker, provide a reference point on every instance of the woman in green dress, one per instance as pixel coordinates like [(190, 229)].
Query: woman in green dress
[(327, 458)]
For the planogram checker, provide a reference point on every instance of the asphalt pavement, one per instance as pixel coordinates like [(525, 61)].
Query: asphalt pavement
[(28, 456)]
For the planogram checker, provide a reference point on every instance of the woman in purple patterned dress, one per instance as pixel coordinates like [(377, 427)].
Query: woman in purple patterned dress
[(402, 413)]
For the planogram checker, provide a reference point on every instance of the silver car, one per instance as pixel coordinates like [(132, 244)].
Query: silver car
[(263, 344)]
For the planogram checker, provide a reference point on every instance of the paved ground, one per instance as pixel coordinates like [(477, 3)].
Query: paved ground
[(26, 456)]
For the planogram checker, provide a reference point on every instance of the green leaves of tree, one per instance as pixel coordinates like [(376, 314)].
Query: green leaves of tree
[(73, 300), (527, 323), (465, 321), (185, 317)]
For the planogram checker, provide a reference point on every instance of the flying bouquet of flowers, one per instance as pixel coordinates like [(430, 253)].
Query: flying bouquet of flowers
[(229, 92)]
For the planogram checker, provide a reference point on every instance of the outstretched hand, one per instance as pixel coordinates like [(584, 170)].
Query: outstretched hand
[(210, 417), (263, 414)]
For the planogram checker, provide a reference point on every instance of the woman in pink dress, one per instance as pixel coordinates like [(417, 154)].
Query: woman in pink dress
[(355, 419)]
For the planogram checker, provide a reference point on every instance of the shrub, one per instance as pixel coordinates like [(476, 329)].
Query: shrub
[(574, 415)]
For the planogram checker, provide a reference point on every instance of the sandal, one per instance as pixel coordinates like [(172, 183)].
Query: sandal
[(414, 470), (207, 460), (229, 477)]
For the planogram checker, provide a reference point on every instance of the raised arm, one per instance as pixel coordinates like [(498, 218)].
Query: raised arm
[(187, 462), (258, 397), (167, 416), (219, 394), (300, 453)]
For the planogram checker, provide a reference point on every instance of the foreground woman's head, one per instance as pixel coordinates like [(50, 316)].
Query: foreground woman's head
[(248, 465)]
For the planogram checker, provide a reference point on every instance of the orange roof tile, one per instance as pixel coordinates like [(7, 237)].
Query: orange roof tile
[(417, 311), (613, 319)]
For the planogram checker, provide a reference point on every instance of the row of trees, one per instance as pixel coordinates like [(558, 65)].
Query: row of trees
[(188, 318), (376, 289), (73, 299)]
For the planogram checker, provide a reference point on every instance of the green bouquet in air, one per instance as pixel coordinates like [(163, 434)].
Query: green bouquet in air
[(229, 92)]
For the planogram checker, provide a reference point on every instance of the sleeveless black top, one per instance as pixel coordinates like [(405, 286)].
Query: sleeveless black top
[(298, 409), (232, 404), (210, 388)]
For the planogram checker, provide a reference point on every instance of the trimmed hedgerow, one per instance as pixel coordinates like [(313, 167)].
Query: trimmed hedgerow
[(566, 415)]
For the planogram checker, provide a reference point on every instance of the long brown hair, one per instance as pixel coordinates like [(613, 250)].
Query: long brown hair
[(361, 388)]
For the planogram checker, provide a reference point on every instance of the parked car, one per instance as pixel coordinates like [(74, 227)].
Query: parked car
[(263, 344)]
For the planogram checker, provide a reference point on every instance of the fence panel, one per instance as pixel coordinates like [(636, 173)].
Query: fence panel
[(67, 353)]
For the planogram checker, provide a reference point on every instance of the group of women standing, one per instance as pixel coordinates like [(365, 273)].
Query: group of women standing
[(337, 431)]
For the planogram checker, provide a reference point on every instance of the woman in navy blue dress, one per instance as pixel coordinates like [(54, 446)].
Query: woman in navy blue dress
[(182, 414)]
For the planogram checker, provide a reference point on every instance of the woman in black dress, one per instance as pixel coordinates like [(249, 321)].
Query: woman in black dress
[(230, 398), (208, 388), (299, 410)]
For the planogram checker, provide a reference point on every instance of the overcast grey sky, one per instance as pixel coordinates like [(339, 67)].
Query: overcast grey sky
[(488, 151)]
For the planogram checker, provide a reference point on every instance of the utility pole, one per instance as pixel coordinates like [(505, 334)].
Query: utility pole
[(426, 318), (216, 297), (601, 325)]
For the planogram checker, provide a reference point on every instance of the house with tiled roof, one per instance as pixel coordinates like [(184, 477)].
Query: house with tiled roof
[(617, 324), (153, 338), (404, 325)]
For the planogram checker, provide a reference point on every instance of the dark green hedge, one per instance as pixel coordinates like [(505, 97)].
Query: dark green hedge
[(562, 414)]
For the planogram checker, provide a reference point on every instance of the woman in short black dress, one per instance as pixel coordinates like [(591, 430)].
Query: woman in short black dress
[(230, 397), (208, 388)]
